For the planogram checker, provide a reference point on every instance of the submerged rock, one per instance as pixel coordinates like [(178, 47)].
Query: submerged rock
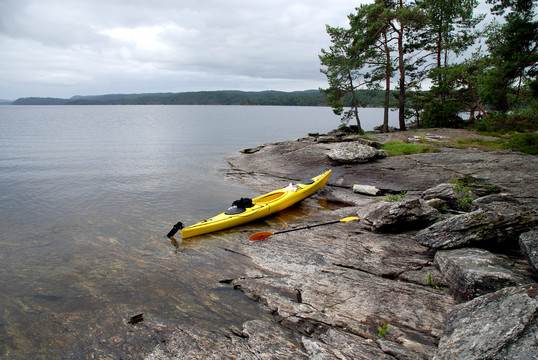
[(474, 272), (501, 325), (397, 216)]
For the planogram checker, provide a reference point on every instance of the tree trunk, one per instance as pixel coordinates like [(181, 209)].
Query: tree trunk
[(355, 105), (401, 65), (388, 72)]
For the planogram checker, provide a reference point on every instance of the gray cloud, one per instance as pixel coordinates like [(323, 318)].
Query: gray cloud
[(62, 48)]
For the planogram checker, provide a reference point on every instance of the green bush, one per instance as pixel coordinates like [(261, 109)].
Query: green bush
[(441, 114), (527, 142), (396, 197)]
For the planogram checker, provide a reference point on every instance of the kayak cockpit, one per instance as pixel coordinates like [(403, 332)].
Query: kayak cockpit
[(264, 199)]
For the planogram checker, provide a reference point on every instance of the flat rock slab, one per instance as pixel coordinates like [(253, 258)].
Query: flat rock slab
[(501, 325), (319, 280), (512, 171), (257, 339)]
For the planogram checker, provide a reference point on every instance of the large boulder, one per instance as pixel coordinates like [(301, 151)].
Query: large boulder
[(493, 223), (354, 152), (474, 272), (501, 325), (397, 216), (529, 247)]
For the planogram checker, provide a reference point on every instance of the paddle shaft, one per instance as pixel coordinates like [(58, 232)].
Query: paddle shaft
[(266, 234), (307, 227)]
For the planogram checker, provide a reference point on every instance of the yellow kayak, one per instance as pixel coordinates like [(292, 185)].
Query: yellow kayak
[(248, 210)]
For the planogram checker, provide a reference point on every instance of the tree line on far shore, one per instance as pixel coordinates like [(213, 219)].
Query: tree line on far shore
[(369, 98)]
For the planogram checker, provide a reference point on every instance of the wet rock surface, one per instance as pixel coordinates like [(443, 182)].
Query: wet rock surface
[(346, 291)]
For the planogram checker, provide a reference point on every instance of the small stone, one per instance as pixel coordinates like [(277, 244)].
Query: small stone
[(366, 189), (354, 152)]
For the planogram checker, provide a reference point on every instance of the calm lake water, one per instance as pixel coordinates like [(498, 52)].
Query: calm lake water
[(87, 194)]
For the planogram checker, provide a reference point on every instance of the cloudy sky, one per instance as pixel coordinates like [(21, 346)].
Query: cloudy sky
[(61, 48)]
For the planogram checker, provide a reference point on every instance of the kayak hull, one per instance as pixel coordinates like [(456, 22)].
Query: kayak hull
[(263, 206)]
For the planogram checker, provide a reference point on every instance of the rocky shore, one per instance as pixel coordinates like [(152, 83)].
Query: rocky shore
[(443, 263)]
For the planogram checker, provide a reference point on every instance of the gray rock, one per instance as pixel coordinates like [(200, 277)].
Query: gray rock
[(326, 139), (494, 223), (436, 203), (501, 325), (251, 150), (475, 272), (529, 246), (397, 216), (366, 189), (444, 192), (354, 152)]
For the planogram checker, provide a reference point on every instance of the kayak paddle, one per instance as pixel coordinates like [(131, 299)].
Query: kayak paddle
[(266, 234)]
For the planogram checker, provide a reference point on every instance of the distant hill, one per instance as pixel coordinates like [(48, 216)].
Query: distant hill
[(40, 101), (225, 97)]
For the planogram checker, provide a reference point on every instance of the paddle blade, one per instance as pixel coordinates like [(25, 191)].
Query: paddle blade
[(351, 218), (260, 235)]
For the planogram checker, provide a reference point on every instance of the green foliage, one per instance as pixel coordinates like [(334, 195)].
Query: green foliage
[(441, 114), (396, 197), (497, 86), (431, 283), (396, 148), (382, 330), (527, 143), (464, 194), (340, 63)]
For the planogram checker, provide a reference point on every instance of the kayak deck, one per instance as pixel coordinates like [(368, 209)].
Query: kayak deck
[(262, 206)]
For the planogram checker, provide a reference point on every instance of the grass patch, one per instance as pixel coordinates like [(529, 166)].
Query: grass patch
[(524, 142), (488, 145), (395, 148)]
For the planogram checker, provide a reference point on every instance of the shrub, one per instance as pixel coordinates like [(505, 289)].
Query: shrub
[(527, 142)]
